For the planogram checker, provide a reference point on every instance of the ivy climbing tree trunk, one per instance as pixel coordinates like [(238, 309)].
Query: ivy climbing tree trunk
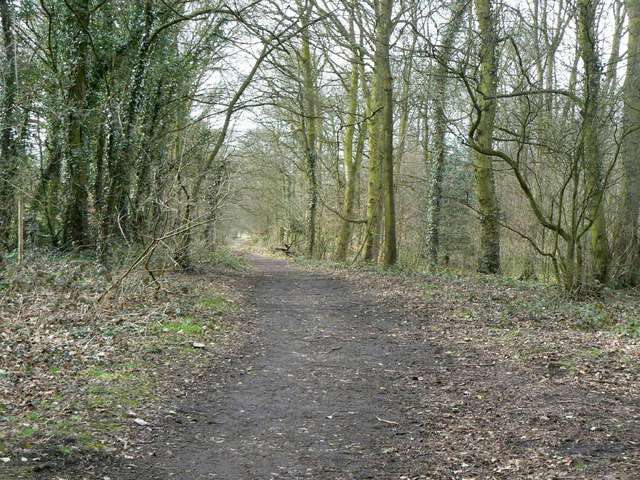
[(435, 162), (75, 224), (8, 137), (124, 158), (489, 261), (309, 128)]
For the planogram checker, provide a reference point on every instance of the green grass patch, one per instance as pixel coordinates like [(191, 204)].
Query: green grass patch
[(595, 353), (186, 325), (463, 314), (61, 428), (97, 389), (213, 302), (511, 335)]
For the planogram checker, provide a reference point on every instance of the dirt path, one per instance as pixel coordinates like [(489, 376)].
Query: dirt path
[(337, 384), (312, 398)]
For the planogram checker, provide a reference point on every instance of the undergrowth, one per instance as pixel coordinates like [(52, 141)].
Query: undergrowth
[(613, 311), (74, 372)]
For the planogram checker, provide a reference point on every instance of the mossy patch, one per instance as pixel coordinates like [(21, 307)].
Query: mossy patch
[(185, 325), (213, 302)]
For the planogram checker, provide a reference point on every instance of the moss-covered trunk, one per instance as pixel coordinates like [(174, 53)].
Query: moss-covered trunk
[(8, 136), (75, 225), (384, 80), (351, 161), (310, 131), (489, 261), (628, 243), (594, 175)]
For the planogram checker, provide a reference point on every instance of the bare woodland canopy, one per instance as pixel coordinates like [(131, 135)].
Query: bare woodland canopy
[(497, 135)]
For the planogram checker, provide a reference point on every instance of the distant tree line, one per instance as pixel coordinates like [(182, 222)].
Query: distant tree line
[(499, 136), (494, 135)]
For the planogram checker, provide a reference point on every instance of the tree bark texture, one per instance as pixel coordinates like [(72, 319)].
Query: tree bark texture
[(628, 243), (489, 261), (122, 164), (351, 161), (8, 137), (75, 224), (384, 93), (436, 159), (310, 132), (591, 124), (371, 245)]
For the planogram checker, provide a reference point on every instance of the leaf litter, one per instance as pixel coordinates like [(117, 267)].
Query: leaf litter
[(523, 384), (72, 370), (508, 384)]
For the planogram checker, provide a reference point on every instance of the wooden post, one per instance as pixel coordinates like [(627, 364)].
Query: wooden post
[(20, 229)]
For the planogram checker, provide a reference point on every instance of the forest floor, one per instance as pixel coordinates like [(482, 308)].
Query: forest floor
[(347, 374)]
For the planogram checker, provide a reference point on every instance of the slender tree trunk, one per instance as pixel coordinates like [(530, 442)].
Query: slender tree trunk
[(98, 184), (351, 163), (310, 131), (403, 123), (8, 137), (183, 242), (48, 196), (628, 243), (489, 261), (384, 96), (75, 226), (591, 150), (374, 183), (435, 162), (611, 75), (20, 228), (144, 165)]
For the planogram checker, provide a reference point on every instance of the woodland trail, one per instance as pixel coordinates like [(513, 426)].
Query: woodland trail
[(337, 384), (312, 399)]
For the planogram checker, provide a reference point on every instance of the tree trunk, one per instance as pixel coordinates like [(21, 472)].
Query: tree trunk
[(435, 162), (489, 261), (120, 171), (611, 75), (8, 137), (310, 131), (374, 183), (48, 196), (351, 163), (628, 243), (403, 123), (75, 226), (384, 95), (594, 176)]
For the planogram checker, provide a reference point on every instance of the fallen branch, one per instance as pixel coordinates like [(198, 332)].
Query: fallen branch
[(387, 421), (148, 251)]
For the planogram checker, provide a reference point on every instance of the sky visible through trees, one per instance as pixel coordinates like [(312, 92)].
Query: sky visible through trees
[(497, 136)]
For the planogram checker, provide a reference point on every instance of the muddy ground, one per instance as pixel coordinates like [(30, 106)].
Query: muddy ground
[(354, 376)]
